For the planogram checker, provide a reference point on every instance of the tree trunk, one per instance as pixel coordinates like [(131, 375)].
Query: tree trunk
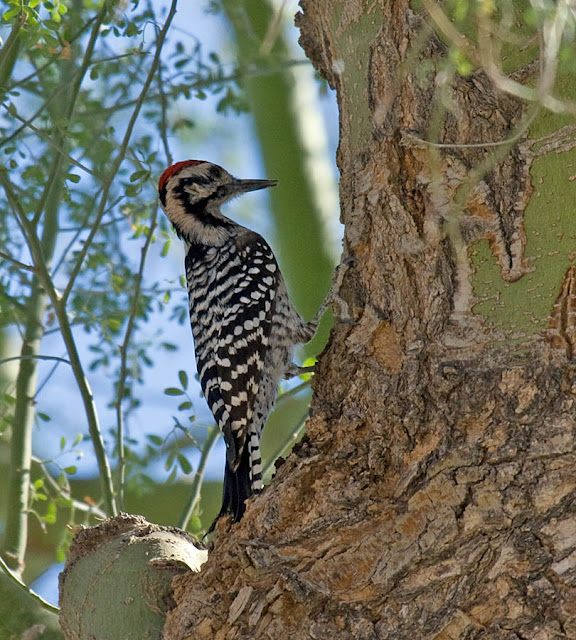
[(434, 497)]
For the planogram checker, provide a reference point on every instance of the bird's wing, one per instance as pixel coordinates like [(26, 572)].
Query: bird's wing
[(230, 372)]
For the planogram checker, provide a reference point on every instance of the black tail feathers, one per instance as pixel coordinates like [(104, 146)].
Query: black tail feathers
[(237, 489)]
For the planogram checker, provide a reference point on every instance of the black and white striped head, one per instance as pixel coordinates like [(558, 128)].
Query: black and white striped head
[(191, 194)]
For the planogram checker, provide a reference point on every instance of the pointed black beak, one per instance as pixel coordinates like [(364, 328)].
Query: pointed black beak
[(243, 186)]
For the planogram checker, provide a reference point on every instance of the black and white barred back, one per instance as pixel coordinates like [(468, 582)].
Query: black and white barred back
[(243, 323)]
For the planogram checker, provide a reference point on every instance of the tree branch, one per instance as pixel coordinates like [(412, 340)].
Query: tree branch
[(213, 435), (31, 594), (60, 310), (123, 361), (107, 185)]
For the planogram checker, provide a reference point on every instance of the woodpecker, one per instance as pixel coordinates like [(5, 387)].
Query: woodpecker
[(243, 322)]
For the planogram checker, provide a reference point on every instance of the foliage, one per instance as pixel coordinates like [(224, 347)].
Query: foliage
[(502, 38), (85, 102)]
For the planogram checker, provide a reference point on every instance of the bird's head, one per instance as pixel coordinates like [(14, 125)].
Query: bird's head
[(191, 194)]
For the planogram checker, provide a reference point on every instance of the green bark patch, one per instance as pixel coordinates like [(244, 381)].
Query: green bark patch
[(523, 308)]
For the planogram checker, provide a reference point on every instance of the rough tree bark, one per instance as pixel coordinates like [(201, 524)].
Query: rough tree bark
[(434, 495)]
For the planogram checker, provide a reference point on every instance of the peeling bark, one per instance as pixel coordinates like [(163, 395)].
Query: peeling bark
[(434, 496)]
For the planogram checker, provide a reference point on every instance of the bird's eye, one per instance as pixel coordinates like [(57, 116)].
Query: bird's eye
[(190, 185), (215, 172)]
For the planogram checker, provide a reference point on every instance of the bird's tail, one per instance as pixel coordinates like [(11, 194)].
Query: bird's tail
[(237, 487), (244, 482)]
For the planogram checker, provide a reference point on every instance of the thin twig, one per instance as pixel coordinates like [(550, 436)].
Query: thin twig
[(49, 140), (294, 391), (520, 131), (164, 118), (107, 185), (286, 445), (124, 360), (83, 226), (65, 493), (35, 356), (204, 83), (9, 52), (54, 59), (450, 32), (32, 594), (51, 194), (41, 385), (20, 265), (213, 435), (484, 56)]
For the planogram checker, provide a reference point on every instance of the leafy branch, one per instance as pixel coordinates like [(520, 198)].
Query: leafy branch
[(59, 305)]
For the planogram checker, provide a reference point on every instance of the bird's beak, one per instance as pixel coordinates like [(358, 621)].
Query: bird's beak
[(243, 186)]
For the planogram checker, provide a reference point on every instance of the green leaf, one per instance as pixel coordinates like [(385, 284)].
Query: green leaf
[(139, 175), (157, 440), (132, 190), (51, 41), (53, 25), (183, 377), (10, 13), (73, 177), (169, 461), (50, 517), (38, 484), (114, 324), (173, 391), (185, 405), (184, 464), (70, 470), (132, 30), (43, 416)]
